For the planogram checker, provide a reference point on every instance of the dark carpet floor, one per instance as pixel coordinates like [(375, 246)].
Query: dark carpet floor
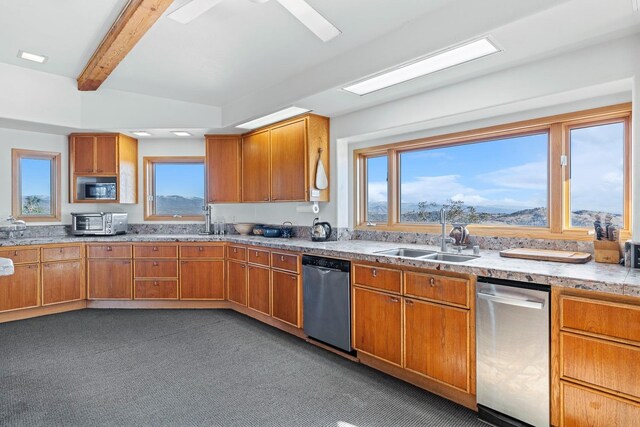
[(194, 368)]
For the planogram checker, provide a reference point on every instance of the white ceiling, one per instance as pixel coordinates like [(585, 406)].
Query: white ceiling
[(253, 58)]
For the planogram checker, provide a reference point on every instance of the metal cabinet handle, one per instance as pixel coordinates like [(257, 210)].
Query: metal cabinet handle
[(257, 254), (15, 253), (154, 249), (235, 250), (408, 302), (535, 304), (432, 281), (282, 258), (156, 284), (242, 266), (100, 170), (109, 249), (61, 250), (155, 263), (266, 199), (201, 249), (374, 272), (294, 277), (394, 299)]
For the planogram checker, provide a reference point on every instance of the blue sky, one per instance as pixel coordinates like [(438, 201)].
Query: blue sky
[(36, 177), (510, 174), (182, 179)]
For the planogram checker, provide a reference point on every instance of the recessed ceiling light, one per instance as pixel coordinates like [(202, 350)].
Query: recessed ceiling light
[(273, 117), (180, 133), (32, 57), (141, 133), (421, 67)]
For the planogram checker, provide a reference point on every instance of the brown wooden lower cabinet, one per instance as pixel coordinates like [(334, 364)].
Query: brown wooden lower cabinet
[(110, 279), (437, 342), (258, 297), (62, 282), (286, 294), (202, 280), (156, 289), (377, 325), (585, 407), (21, 289), (237, 282)]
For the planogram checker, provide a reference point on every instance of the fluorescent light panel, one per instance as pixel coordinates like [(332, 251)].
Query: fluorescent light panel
[(311, 19), (440, 61), (32, 57), (141, 133), (192, 10), (273, 117), (180, 133)]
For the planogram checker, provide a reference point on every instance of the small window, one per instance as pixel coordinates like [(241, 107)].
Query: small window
[(174, 188), (597, 174), (377, 189), (36, 185), (498, 182)]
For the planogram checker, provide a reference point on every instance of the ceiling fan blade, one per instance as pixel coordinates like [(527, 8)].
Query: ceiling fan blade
[(192, 10), (315, 22)]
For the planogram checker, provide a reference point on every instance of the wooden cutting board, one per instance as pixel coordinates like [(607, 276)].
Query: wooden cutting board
[(547, 255)]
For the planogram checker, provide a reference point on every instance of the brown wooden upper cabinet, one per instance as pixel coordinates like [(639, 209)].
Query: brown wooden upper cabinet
[(103, 158), (224, 168), (276, 163)]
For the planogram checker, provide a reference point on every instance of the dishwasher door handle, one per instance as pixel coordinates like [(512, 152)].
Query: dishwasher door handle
[(538, 305)]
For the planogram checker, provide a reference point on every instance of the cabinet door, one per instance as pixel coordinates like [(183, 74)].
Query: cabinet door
[(585, 407), (202, 280), (110, 279), (286, 297), (288, 162), (224, 157), (83, 154), (21, 289), (62, 282), (237, 282), (107, 155), (255, 167), (378, 324), (258, 289), (436, 342)]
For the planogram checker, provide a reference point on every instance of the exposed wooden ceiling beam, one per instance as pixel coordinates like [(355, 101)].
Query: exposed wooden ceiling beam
[(133, 23)]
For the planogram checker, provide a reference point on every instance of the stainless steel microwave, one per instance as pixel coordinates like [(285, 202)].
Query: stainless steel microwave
[(100, 191), (99, 224)]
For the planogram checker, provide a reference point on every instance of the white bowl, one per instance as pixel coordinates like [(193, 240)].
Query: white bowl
[(244, 228)]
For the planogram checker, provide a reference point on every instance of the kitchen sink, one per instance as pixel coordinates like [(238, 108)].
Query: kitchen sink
[(449, 257), (408, 253)]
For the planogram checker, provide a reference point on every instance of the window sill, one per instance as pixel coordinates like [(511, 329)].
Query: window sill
[(173, 218)]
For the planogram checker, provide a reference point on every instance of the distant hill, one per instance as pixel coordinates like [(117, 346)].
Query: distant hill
[(179, 205), (487, 215)]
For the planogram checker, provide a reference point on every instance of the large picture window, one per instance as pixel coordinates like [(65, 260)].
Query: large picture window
[(174, 188), (36, 185), (549, 177)]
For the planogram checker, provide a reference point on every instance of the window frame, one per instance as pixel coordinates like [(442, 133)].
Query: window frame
[(149, 180), (558, 191), (16, 184)]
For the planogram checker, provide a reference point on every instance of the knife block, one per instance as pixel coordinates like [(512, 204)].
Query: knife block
[(606, 251)]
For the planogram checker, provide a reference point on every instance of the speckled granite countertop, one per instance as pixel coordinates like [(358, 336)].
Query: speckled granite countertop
[(608, 278)]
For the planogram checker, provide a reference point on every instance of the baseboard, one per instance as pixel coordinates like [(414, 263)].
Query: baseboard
[(28, 313), (268, 320), (435, 387), (156, 304)]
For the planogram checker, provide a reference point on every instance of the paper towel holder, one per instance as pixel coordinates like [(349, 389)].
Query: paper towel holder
[(313, 207)]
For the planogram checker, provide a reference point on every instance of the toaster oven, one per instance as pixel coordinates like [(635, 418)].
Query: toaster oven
[(99, 224)]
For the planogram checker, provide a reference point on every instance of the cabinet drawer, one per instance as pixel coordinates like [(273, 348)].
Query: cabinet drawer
[(437, 288), (61, 253), (238, 253), (615, 320), (20, 256), (602, 363), (379, 278), (257, 256), (584, 407), (285, 262), (157, 269), (201, 251), (109, 251), (156, 251), (156, 289)]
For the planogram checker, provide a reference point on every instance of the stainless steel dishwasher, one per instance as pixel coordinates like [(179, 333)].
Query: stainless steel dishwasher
[(327, 300), (512, 353)]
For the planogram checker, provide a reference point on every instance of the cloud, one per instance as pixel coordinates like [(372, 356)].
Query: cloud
[(377, 191), (528, 176)]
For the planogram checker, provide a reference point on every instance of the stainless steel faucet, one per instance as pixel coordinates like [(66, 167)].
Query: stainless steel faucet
[(444, 238), (207, 218)]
